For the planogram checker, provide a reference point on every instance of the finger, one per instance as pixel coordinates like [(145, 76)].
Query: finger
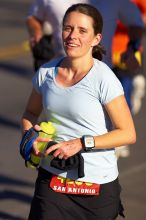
[(51, 149), (57, 153), (65, 157), (60, 156), (35, 149), (37, 127), (43, 139)]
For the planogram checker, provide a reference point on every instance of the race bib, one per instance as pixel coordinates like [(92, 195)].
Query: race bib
[(68, 186)]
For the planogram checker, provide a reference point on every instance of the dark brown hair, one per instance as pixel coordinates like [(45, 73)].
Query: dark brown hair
[(98, 50)]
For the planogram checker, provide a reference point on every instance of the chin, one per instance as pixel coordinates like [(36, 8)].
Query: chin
[(71, 54)]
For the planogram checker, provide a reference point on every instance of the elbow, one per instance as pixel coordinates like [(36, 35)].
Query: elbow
[(132, 138)]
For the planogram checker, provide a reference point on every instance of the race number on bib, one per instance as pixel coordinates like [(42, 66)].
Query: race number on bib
[(68, 186)]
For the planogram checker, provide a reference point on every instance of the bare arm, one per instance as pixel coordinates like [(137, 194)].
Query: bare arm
[(30, 116), (124, 131), (35, 29), (32, 111)]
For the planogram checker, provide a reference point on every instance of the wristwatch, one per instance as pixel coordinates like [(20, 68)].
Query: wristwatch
[(88, 142)]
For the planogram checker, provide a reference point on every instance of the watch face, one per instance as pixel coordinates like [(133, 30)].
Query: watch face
[(89, 141)]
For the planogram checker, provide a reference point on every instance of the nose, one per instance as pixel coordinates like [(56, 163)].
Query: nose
[(73, 34)]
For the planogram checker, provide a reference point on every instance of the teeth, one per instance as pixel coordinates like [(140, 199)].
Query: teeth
[(72, 45)]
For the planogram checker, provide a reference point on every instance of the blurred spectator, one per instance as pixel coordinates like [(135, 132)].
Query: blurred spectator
[(139, 81), (43, 50), (127, 40), (139, 91), (130, 75)]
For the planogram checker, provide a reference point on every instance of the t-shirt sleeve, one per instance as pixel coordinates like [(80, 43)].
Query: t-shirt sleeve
[(110, 87), (38, 80), (42, 73)]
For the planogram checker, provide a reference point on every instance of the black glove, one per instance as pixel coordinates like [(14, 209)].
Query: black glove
[(76, 161)]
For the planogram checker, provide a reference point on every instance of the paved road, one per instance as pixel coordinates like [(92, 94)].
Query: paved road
[(17, 182)]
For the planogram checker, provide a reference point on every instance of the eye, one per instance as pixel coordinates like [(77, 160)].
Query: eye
[(67, 28), (82, 31)]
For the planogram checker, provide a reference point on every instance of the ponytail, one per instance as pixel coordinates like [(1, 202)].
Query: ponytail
[(98, 52)]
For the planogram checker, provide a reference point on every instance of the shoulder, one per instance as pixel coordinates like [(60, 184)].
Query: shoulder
[(103, 70), (45, 70), (50, 65), (105, 82)]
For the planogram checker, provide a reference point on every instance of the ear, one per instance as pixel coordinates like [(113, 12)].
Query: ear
[(96, 40)]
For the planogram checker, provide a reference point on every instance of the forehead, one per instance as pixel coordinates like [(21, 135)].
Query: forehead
[(78, 18)]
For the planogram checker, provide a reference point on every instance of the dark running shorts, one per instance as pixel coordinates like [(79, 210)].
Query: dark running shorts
[(49, 205)]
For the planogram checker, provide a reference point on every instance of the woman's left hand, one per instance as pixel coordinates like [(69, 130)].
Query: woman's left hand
[(65, 149)]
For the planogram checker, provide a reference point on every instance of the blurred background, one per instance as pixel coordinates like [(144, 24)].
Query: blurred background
[(16, 71)]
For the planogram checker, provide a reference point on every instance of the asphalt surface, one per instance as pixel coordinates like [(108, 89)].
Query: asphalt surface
[(16, 181)]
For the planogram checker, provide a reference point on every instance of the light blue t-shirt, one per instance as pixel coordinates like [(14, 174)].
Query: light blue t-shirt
[(79, 110)]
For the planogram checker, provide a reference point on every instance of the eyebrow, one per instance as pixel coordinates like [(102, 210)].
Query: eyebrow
[(80, 27)]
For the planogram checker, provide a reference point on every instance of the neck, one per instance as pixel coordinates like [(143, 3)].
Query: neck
[(78, 65), (72, 71)]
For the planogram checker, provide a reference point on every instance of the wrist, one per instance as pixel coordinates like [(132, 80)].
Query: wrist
[(88, 142)]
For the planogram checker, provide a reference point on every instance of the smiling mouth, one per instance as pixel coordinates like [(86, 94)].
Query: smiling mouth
[(71, 45)]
